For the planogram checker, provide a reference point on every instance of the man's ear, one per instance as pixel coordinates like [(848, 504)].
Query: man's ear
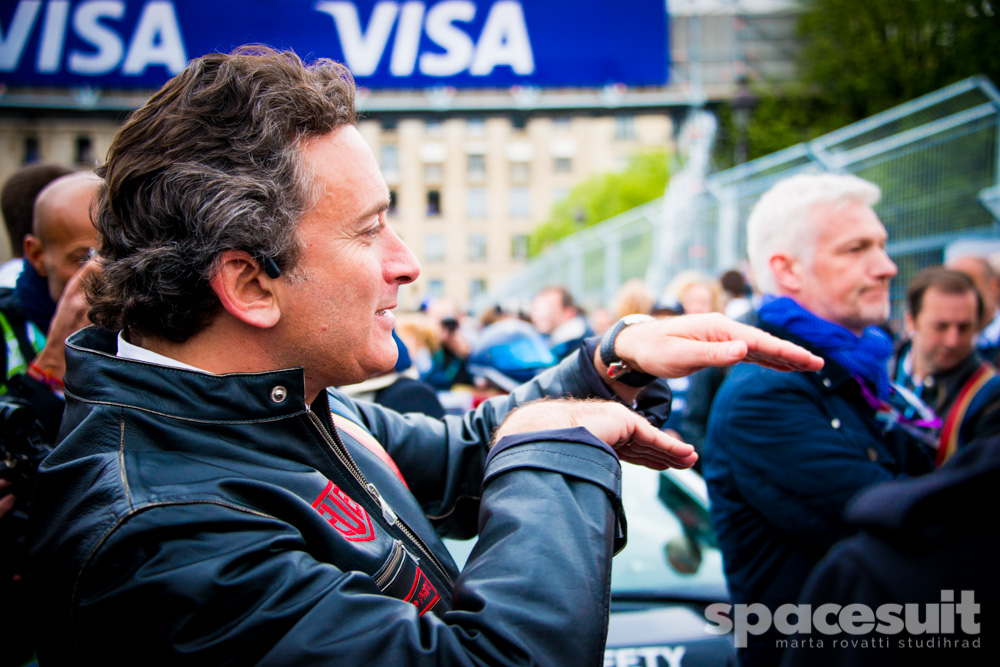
[(33, 253), (909, 326), (245, 290), (787, 272)]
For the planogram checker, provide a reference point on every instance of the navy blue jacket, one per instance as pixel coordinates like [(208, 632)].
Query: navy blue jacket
[(920, 541), (784, 454), (198, 519)]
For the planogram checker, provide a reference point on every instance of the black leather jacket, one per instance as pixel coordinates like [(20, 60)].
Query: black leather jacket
[(217, 520)]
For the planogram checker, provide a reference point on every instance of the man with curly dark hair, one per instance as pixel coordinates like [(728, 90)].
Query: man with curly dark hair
[(214, 502)]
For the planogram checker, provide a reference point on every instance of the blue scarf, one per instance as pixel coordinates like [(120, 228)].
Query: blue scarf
[(865, 357), (32, 294)]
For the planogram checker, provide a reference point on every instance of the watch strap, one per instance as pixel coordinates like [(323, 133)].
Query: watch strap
[(617, 369)]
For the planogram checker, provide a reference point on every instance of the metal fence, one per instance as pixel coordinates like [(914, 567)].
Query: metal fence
[(936, 158)]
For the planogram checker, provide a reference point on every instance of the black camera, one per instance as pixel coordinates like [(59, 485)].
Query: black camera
[(22, 447)]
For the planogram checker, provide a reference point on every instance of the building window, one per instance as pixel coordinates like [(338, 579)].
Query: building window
[(84, 150), (477, 247), (563, 164), (560, 123), (435, 287), (477, 166), (390, 158), (519, 246), (389, 124), (31, 151), (434, 248), (558, 194), (520, 172), (433, 203), (393, 209), (624, 128), (433, 173), (477, 287), (519, 121), (475, 202), (433, 127), (520, 203), (475, 127)]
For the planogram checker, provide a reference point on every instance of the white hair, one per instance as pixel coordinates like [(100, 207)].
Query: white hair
[(782, 221)]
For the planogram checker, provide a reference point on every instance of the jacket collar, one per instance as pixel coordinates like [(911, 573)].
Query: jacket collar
[(95, 374), (951, 380)]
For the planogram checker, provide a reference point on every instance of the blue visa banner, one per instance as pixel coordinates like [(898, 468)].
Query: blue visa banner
[(409, 44)]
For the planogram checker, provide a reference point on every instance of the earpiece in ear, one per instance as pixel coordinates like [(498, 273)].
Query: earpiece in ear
[(270, 268)]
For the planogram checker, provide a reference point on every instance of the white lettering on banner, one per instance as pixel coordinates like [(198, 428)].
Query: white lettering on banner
[(12, 44), (88, 26), (646, 656), (50, 51), (156, 39), (362, 52), (404, 51), (504, 40), (458, 46)]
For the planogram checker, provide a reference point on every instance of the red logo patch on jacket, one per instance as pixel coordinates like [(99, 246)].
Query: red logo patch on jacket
[(349, 518), (422, 595)]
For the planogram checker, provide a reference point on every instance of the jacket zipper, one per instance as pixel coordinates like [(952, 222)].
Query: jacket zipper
[(390, 568), (340, 450)]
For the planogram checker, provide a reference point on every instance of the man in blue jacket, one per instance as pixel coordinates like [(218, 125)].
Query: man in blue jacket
[(785, 452), (212, 502)]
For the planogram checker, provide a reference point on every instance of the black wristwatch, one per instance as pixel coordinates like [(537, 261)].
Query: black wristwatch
[(617, 369)]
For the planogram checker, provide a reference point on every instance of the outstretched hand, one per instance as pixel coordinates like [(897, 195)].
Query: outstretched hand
[(632, 437), (679, 346)]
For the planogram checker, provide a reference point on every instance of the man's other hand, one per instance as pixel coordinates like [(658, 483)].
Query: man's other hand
[(632, 437)]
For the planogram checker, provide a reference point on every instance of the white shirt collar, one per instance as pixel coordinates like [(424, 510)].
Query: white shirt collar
[(127, 350)]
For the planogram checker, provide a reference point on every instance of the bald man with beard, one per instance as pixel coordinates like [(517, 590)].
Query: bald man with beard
[(39, 312)]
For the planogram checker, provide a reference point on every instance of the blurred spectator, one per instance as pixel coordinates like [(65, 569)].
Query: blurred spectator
[(398, 389), (939, 363), (633, 298), (988, 283), (448, 359), (420, 338), (62, 238), (695, 292), (557, 317), (786, 451), (491, 315), (600, 321), (17, 200), (737, 294)]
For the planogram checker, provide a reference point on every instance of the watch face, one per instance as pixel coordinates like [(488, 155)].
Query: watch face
[(637, 318)]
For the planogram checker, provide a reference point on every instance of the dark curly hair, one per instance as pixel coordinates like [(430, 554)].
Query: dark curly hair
[(210, 163)]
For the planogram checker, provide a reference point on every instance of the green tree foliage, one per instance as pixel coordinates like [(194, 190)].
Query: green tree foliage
[(865, 56), (603, 196), (860, 57)]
